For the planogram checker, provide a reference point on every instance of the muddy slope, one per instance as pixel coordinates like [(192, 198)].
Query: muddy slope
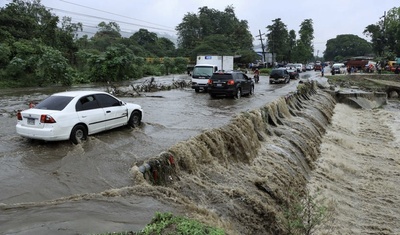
[(237, 176)]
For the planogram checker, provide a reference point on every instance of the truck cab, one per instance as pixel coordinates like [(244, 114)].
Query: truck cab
[(200, 75)]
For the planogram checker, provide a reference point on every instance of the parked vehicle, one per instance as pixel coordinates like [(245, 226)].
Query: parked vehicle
[(233, 83), (74, 115), (338, 68), (293, 74), (357, 64), (279, 75), (299, 68), (317, 66), (392, 65), (290, 66)]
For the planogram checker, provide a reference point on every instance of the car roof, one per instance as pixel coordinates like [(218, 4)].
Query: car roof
[(78, 93)]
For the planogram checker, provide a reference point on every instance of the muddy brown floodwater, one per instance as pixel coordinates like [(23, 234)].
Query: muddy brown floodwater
[(359, 171), (234, 163)]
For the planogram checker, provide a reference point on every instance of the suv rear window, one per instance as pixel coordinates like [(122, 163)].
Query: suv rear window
[(54, 103), (276, 72), (222, 77)]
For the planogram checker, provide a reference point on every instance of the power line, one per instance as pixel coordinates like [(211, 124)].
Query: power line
[(102, 18), (115, 14)]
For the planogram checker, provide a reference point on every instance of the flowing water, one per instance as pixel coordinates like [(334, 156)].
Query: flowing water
[(359, 171), (239, 176)]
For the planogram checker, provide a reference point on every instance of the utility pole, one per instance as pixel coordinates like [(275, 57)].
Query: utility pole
[(262, 44)]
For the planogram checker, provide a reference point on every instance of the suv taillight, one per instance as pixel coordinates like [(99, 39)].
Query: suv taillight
[(231, 82), (44, 118), (209, 81)]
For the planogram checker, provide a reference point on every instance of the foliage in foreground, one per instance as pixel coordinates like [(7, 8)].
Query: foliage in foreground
[(303, 214), (166, 223)]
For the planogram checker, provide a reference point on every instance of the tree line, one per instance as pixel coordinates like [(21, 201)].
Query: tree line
[(37, 48)]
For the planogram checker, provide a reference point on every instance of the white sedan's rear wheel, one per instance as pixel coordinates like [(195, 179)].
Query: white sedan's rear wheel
[(78, 134)]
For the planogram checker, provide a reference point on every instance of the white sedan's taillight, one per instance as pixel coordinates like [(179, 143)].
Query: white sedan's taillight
[(19, 115), (44, 118)]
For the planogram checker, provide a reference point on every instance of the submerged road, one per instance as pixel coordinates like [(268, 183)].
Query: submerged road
[(44, 177)]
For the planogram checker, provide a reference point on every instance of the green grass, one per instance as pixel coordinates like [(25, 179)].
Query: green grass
[(167, 224)]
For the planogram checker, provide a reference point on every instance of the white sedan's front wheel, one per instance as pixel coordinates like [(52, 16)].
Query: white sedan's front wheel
[(135, 119)]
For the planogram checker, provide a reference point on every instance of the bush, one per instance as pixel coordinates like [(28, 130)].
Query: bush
[(166, 223), (303, 213)]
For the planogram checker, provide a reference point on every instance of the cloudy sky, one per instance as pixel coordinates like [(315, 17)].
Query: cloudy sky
[(330, 18)]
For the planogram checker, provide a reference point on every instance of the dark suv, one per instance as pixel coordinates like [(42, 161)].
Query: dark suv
[(279, 75), (233, 83)]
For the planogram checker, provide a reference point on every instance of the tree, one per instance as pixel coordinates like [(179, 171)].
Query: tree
[(168, 64), (189, 32), (305, 47), (292, 56), (107, 35), (5, 53), (167, 47), (150, 42), (66, 35), (278, 40), (345, 46), (208, 31), (385, 34), (52, 67), (214, 44), (115, 64), (377, 38), (392, 32), (26, 20), (180, 64)]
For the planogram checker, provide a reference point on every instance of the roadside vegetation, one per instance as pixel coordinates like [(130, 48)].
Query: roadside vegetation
[(38, 48), (301, 215), (166, 224)]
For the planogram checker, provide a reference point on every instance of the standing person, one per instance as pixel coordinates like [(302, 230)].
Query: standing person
[(322, 71), (256, 75), (378, 67)]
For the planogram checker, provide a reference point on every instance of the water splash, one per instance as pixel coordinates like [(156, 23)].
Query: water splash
[(241, 172)]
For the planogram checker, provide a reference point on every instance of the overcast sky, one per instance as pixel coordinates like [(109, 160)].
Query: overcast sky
[(330, 18)]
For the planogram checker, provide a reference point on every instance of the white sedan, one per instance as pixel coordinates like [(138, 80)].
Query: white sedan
[(74, 115)]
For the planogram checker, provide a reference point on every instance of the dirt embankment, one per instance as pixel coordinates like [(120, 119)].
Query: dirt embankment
[(367, 82)]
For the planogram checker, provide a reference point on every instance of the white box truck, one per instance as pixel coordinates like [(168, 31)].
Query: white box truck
[(205, 66)]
